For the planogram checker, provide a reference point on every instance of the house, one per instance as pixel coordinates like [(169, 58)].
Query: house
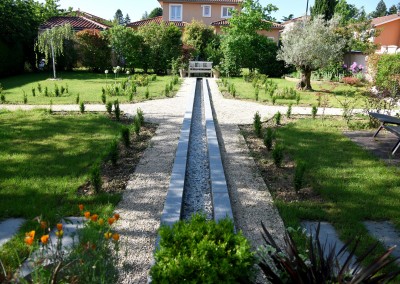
[(389, 33), (211, 12), (79, 21)]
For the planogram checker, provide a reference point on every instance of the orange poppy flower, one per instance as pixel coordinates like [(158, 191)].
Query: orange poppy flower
[(59, 226), (43, 225), (30, 234), (81, 207), (29, 240), (87, 214), (44, 239), (116, 216), (94, 217), (101, 221), (115, 237), (111, 221), (107, 235), (60, 233)]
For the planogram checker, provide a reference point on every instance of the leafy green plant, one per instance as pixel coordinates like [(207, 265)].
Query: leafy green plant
[(166, 90), (109, 106), (95, 177), (39, 87), (62, 90), (202, 251), (147, 93), (273, 100), (117, 110), (66, 88), (103, 98), (136, 125), (289, 111), (298, 98), (33, 92), (278, 117), (256, 92), (277, 154), (46, 91), (2, 98), (314, 111), (77, 99), (24, 97), (56, 90), (268, 138), (298, 178), (321, 265), (126, 136), (114, 152), (82, 107), (257, 124), (140, 115)]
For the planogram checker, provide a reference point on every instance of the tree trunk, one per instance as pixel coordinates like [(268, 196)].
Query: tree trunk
[(305, 81)]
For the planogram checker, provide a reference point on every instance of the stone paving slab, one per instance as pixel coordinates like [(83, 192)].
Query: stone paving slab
[(328, 237), (386, 233), (9, 228)]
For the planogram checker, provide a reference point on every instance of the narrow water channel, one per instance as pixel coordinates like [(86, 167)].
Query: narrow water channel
[(197, 190)]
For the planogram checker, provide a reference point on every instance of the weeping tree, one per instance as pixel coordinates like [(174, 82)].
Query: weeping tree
[(51, 43), (310, 45)]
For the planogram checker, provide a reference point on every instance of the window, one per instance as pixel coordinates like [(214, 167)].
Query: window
[(206, 11), (175, 12), (226, 11)]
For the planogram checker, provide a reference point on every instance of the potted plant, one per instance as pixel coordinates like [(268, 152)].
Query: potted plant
[(183, 65)]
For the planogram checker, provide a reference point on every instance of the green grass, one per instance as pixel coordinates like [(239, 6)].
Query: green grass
[(87, 85), (354, 184), (43, 160), (246, 91)]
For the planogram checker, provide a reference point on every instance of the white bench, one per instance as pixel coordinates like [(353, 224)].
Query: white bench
[(200, 67)]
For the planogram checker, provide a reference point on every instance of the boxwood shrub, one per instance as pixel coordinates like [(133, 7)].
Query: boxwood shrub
[(201, 251)]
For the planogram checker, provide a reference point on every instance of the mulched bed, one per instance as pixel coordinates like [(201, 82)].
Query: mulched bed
[(279, 180)]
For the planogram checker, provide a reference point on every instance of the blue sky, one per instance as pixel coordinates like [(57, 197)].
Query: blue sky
[(135, 8)]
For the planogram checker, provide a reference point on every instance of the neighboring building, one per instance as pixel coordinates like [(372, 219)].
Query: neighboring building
[(389, 33), (79, 22), (157, 20)]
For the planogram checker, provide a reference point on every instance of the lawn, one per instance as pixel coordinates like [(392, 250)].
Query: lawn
[(87, 85), (332, 93), (350, 185), (43, 160)]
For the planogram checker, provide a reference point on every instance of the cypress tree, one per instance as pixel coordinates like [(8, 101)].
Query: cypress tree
[(324, 7)]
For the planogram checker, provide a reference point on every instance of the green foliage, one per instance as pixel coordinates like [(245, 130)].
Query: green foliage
[(103, 98), (117, 110), (140, 116), (268, 138), (326, 8), (388, 75), (126, 136), (321, 263), (109, 106), (273, 100), (298, 179), (46, 91), (137, 125), (380, 10), (314, 111), (257, 125), (256, 92), (298, 98), (208, 252), (156, 12), (77, 99), (147, 93), (94, 50), (278, 117), (24, 97), (278, 154), (56, 90), (39, 87), (33, 92), (289, 111), (95, 177), (198, 36), (82, 107), (114, 152), (2, 98)]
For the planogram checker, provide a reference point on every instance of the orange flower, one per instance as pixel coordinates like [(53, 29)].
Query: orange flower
[(60, 233), (29, 240), (101, 221), (30, 234), (81, 207), (94, 217), (87, 214), (111, 221), (116, 216), (107, 235), (59, 226), (115, 237), (43, 225), (44, 239)]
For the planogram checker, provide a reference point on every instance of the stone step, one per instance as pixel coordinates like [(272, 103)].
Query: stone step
[(8, 228)]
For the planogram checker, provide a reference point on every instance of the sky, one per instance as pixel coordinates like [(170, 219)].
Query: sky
[(136, 8)]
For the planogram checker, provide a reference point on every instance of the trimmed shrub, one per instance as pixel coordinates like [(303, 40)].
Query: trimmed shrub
[(256, 92), (277, 154), (33, 92), (314, 111), (95, 177), (257, 124), (114, 152), (109, 107), (278, 117), (298, 179), (82, 107), (25, 98), (117, 110), (268, 138), (126, 136), (2, 98), (136, 125), (103, 98), (77, 99), (289, 111), (56, 90), (39, 87), (202, 251), (147, 93), (140, 115)]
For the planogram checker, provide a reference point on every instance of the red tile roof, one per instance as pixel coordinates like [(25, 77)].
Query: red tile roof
[(157, 20), (225, 23), (385, 19), (78, 23)]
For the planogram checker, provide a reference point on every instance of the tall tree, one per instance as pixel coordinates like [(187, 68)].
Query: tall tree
[(127, 19), (392, 10), (51, 42), (310, 45), (94, 50), (326, 8), (119, 17), (156, 12), (288, 18), (347, 12), (380, 10), (145, 15), (198, 36)]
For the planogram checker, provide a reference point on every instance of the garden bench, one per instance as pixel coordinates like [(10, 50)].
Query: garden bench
[(200, 67), (396, 131), (384, 119)]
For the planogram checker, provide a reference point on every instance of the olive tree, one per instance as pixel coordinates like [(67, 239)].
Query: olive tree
[(310, 45), (51, 42)]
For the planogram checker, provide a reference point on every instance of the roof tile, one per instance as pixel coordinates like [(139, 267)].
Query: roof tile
[(157, 20), (382, 20), (78, 23)]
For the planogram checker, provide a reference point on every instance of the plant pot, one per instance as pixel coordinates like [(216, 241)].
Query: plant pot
[(182, 73), (216, 74)]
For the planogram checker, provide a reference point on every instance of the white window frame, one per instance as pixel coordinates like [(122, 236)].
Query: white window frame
[(227, 11), (170, 12), (204, 9)]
